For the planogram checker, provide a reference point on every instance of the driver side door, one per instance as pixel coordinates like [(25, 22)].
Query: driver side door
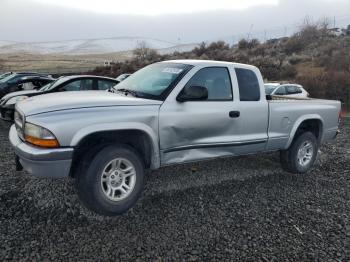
[(194, 130)]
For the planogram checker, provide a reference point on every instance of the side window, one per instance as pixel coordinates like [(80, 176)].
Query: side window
[(86, 84), (105, 84), (78, 85), (216, 79), (249, 88), (293, 90), (281, 91), (30, 85)]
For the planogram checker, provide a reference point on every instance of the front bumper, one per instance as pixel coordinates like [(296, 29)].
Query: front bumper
[(7, 112), (41, 162)]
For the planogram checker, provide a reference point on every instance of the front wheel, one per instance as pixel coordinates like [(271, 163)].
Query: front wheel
[(301, 155), (112, 183)]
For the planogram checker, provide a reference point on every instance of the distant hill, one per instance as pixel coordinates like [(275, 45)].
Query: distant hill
[(90, 46)]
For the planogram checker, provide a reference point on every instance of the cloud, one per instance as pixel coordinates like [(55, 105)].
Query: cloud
[(156, 7), (34, 21)]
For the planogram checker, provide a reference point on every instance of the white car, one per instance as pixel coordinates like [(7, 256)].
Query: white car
[(279, 89)]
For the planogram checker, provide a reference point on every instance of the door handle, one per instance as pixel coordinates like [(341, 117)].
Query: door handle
[(234, 114)]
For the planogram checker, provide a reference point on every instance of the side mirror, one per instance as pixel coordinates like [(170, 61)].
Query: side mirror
[(193, 93)]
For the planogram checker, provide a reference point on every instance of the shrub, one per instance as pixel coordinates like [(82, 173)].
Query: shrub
[(330, 85)]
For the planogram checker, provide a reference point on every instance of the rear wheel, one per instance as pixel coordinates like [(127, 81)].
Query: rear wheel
[(113, 181), (301, 155)]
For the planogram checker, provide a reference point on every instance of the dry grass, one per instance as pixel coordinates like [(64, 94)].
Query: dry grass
[(57, 63)]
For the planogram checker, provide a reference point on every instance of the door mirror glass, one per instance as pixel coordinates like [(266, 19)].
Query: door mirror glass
[(193, 93)]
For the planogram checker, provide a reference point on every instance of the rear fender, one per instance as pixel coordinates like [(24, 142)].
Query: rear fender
[(297, 124)]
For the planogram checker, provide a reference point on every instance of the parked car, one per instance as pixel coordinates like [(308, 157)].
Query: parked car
[(19, 73), (2, 76), (16, 81), (67, 83), (122, 77), (166, 113), (294, 90)]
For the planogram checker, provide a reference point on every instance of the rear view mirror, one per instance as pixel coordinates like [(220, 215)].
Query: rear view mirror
[(193, 93)]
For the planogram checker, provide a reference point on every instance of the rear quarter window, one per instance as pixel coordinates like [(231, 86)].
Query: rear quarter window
[(248, 84)]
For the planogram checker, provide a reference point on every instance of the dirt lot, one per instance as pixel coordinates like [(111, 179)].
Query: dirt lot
[(234, 209)]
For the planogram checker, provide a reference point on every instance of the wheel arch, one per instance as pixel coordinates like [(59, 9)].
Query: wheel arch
[(142, 140), (312, 123)]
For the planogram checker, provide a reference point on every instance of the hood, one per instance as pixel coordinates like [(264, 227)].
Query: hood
[(19, 93), (79, 99)]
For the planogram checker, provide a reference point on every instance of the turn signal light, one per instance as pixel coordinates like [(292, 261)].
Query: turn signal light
[(42, 142)]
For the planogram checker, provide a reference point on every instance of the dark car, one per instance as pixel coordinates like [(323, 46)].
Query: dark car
[(67, 83), (22, 81), (2, 76)]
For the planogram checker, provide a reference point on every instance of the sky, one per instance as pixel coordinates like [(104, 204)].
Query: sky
[(178, 21)]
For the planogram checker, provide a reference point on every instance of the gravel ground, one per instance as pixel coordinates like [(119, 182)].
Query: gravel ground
[(243, 208)]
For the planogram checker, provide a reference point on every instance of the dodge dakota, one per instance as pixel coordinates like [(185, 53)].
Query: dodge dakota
[(167, 113)]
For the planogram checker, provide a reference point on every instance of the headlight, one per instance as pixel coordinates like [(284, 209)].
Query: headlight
[(15, 99), (39, 136)]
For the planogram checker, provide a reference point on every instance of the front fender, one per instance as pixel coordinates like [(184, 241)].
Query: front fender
[(88, 130)]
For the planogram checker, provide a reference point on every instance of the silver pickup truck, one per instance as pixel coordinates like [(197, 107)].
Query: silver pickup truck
[(167, 113)]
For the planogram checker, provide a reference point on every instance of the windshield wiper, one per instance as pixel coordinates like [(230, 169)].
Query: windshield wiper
[(111, 89), (127, 91)]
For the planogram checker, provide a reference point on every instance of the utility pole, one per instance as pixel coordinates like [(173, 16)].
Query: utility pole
[(250, 31)]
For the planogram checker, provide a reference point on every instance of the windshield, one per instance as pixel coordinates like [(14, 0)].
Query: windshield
[(154, 81), (4, 75), (8, 78), (269, 88), (53, 84)]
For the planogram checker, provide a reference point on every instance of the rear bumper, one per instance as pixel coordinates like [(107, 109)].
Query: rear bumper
[(41, 162)]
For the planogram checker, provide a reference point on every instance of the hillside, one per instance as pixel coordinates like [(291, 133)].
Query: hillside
[(313, 57), (89, 46)]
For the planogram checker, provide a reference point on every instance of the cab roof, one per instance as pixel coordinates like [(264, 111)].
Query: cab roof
[(196, 62)]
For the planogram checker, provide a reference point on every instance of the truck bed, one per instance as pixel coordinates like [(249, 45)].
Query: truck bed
[(287, 113)]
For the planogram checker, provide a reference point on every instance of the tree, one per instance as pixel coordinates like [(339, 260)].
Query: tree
[(144, 53)]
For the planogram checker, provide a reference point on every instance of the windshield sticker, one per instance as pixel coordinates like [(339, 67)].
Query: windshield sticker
[(172, 70)]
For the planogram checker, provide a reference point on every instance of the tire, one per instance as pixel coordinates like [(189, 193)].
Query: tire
[(296, 163), (102, 184)]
